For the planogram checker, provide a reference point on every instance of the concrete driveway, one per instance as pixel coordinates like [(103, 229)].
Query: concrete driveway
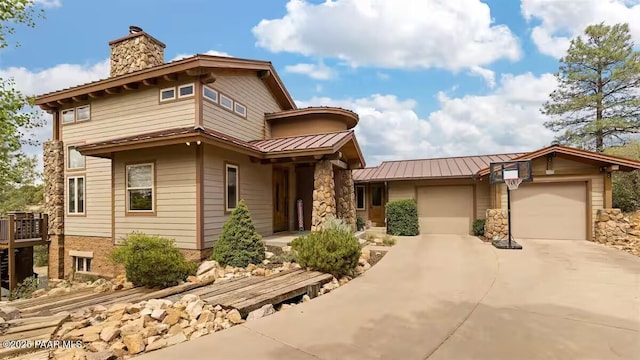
[(454, 297)]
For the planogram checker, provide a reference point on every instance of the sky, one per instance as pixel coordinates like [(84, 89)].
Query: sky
[(428, 78)]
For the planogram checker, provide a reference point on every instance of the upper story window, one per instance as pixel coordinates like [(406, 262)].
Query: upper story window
[(240, 109), (231, 187), (168, 94), (226, 102), (80, 113), (83, 113), (140, 187), (75, 160), (75, 195), (68, 116), (210, 94), (360, 198), (185, 90)]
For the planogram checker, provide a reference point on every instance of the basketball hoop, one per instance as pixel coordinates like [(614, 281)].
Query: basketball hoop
[(513, 184)]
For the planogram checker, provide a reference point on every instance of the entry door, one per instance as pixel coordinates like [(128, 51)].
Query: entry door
[(376, 204), (280, 199)]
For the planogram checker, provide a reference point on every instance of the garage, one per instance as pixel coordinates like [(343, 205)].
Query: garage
[(445, 209), (550, 211)]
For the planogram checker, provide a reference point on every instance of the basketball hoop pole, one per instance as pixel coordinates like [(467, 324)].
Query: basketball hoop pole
[(509, 215)]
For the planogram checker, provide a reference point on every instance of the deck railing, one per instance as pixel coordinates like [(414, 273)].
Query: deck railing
[(23, 227)]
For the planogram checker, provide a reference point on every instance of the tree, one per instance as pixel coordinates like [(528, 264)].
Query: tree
[(597, 102), (239, 243), (15, 117), (626, 185), (28, 192)]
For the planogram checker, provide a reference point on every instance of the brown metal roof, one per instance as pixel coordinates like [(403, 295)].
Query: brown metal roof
[(453, 167), (303, 142)]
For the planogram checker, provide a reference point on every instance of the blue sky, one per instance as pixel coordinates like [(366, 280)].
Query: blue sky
[(428, 77)]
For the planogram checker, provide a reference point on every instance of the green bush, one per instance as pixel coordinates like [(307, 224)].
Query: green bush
[(626, 185), (402, 218), (478, 227), (289, 256), (330, 250), (40, 255), (24, 289), (360, 223), (152, 261), (239, 244)]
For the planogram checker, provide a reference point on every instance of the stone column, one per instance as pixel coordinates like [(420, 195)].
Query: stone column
[(611, 227), (496, 224), (346, 198), (54, 204), (324, 195)]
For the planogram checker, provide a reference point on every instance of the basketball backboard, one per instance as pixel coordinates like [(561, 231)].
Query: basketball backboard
[(508, 170)]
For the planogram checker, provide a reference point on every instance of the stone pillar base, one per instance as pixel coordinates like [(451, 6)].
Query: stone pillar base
[(56, 257), (611, 227), (324, 195), (496, 224)]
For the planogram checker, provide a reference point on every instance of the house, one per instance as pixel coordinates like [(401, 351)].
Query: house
[(171, 148), (569, 187)]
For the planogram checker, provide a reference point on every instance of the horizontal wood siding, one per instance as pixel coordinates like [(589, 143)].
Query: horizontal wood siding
[(97, 218), (251, 92), (483, 198), (255, 189), (175, 191)]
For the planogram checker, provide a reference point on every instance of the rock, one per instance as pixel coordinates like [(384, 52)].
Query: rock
[(105, 354), (306, 298), (268, 254), (205, 316), (175, 329), (258, 272), (251, 267), (56, 291), (132, 327), (133, 308), (189, 298), (268, 272), (266, 262), (362, 261), (343, 280), (156, 345), (287, 249), (9, 312), (134, 343), (98, 346), (173, 317), (194, 309), (116, 308), (193, 279), (262, 312), (109, 333), (207, 266), (155, 304), (176, 339), (234, 316), (158, 314), (118, 345), (199, 333), (146, 312)]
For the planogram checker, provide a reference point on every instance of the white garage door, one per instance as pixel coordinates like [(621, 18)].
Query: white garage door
[(550, 211), (445, 209)]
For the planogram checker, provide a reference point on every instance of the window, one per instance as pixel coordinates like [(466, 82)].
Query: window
[(68, 116), (185, 90), (231, 185), (226, 102), (360, 199), (82, 264), (140, 178), (83, 113), (75, 160), (210, 94), (167, 94), (75, 195), (240, 109)]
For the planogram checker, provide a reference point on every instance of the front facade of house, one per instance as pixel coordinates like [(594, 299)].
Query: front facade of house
[(569, 187), (171, 148)]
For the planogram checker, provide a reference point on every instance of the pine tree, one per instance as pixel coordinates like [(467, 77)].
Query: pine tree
[(239, 244), (597, 102)]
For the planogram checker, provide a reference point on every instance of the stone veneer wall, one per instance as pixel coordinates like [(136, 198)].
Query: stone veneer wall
[(135, 52), (324, 195), (613, 228), (54, 204), (496, 224), (346, 198)]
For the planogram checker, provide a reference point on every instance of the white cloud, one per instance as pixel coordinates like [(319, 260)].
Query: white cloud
[(391, 34), (210, 52), (505, 120), (48, 3), (488, 75), (383, 76), (318, 71), (560, 21)]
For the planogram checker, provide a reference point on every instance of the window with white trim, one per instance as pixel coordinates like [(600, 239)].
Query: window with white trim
[(168, 94), (81, 264), (226, 102), (360, 198), (185, 91), (140, 179), (68, 116), (83, 113), (75, 195), (231, 187), (75, 160), (240, 109), (210, 94)]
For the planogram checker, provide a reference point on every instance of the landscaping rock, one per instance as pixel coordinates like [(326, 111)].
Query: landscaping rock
[(158, 314), (98, 346), (156, 345), (234, 316), (135, 343), (306, 298), (176, 339), (194, 309), (133, 308), (262, 312), (173, 317), (207, 266), (9, 312), (109, 333), (105, 354)]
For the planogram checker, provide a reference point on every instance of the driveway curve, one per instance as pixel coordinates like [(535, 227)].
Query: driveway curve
[(454, 297)]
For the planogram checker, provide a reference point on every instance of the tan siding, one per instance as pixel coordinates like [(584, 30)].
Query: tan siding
[(97, 219), (175, 193), (399, 190), (483, 198), (255, 189), (128, 114), (252, 93)]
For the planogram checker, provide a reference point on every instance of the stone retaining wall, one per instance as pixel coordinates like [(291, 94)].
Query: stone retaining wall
[(496, 224), (613, 228), (324, 195)]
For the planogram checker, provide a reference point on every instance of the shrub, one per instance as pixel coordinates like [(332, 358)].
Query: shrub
[(24, 289), (239, 244), (40, 255), (478, 227), (402, 218), (360, 223), (289, 256), (331, 250), (626, 185), (152, 261), (388, 240), (332, 223)]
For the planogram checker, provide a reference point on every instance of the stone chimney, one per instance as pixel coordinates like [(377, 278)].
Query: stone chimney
[(136, 51)]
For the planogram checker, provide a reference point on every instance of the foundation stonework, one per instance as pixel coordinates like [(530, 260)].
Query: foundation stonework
[(324, 195), (346, 198), (496, 224), (101, 249), (53, 160), (135, 52)]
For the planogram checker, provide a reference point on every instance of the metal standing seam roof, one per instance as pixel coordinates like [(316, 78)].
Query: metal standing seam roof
[(463, 166), (303, 142)]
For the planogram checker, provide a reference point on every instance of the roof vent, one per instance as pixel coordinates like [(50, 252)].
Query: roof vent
[(134, 29)]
